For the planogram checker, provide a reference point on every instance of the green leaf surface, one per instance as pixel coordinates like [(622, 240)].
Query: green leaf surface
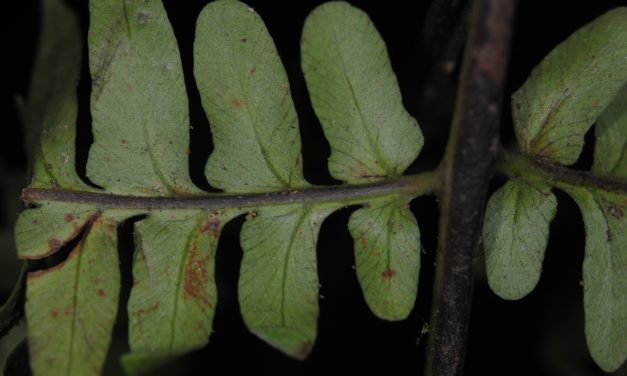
[(610, 148), (173, 298), (278, 286), (44, 230), (387, 256), (605, 285), (515, 235), (246, 96), (138, 102), (71, 308), (140, 126), (570, 88), (355, 95), (49, 115)]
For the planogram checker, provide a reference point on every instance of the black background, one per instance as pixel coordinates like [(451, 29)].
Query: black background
[(540, 335)]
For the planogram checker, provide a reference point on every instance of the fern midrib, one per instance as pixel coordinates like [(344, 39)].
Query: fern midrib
[(150, 149), (80, 251), (372, 140), (179, 282), (512, 252), (253, 124), (556, 107), (285, 270), (68, 370), (50, 93), (388, 257), (609, 280)]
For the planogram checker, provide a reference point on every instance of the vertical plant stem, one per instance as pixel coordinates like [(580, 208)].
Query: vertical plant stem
[(467, 165)]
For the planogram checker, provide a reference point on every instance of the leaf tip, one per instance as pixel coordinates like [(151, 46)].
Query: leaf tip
[(292, 342), (303, 350), (143, 363)]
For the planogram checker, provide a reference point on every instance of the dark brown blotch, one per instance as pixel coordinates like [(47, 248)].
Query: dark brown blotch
[(195, 277), (388, 273)]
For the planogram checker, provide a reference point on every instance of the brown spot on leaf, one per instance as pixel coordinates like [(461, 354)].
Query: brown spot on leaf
[(69, 217), (181, 191), (195, 277), (360, 169), (124, 142), (140, 313), (111, 227), (212, 227), (362, 240), (236, 103), (388, 273), (243, 40), (35, 222), (616, 211), (54, 313), (145, 311), (55, 244), (102, 293)]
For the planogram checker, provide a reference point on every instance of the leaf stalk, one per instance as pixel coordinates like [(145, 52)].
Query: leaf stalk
[(411, 186), (513, 164)]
